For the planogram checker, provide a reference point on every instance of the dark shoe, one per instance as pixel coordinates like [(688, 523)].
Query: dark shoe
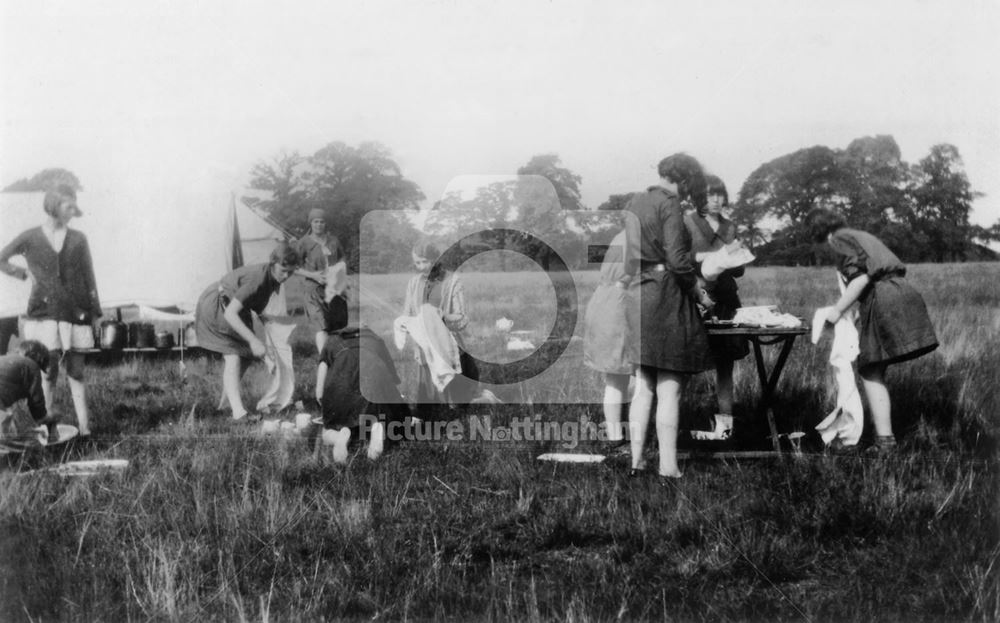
[(250, 417), (615, 448), (881, 449)]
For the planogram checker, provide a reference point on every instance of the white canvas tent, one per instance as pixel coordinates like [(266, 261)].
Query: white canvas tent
[(146, 251)]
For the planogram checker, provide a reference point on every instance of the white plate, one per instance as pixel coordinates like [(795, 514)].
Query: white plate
[(66, 432), (89, 468), (571, 457)]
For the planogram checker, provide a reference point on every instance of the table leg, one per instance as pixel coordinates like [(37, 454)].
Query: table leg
[(769, 382), (774, 431)]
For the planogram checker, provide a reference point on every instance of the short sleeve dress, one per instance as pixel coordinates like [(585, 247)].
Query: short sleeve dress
[(317, 256), (893, 324), (670, 330), (607, 341), (251, 285), (723, 290)]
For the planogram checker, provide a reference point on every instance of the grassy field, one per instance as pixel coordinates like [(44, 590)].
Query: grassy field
[(210, 522)]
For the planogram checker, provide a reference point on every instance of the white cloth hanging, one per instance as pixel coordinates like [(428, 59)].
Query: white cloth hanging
[(336, 281), (278, 328), (435, 342), (846, 422)]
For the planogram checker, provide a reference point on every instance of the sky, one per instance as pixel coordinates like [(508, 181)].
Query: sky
[(176, 100)]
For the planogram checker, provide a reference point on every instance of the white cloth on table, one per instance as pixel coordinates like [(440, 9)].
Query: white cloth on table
[(434, 341), (765, 316)]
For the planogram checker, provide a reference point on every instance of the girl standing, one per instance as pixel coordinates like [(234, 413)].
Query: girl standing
[(443, 290), (63, 304), (608, 346), (319, 250), (893, 324), (710, 231), (673, 343)]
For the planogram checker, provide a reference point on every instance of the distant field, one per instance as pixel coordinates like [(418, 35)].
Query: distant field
[(211, 523)]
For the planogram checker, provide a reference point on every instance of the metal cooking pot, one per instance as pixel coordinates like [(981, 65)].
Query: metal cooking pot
[(114, 335), (141, 335), (164, 339)]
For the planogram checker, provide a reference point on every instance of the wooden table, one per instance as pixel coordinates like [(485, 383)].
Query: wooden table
[(759, 337)]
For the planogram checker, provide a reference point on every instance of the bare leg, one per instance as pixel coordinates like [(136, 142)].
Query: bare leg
[(638, 414), (668, 396), (74, 371), (49, 379), (724, 385), (232, 371), (615, 386), (873, 380)]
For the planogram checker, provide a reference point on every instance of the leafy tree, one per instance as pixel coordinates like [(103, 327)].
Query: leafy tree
[(43, 181), (565, 182), (388, 240), (942, 201), (921, 212), (348, 182), (532, 203), (874, 181), (541, 217), (345, 182), (786, 189), (486, 217), (283, 179), (616, 202), (790, 186)]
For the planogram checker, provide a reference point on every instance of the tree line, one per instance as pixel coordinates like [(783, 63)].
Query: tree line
[(920, 210)]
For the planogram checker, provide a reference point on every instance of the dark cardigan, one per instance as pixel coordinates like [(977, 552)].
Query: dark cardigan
[(64, 288)]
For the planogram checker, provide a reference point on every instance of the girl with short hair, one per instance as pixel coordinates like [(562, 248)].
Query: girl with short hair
[(223, 320)]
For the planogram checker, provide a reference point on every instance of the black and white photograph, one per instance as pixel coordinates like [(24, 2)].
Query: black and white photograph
[(499, 310)]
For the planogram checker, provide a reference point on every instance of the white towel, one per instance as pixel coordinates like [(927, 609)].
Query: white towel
[(732, 255), (435, 342), (846, 421), (336, 281), (278, 328)]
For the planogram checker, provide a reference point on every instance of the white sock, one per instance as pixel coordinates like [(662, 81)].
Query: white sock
[(340, 440), (376, 444)]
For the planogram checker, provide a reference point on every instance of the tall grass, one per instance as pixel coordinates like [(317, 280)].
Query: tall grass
[(210, 522)]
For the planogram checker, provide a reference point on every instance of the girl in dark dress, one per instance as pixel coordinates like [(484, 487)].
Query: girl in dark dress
[(63, 304), (893, 324), (319, 250), (710, 231), (223, 321), (673, 343), (608, 344), (356, 386)]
